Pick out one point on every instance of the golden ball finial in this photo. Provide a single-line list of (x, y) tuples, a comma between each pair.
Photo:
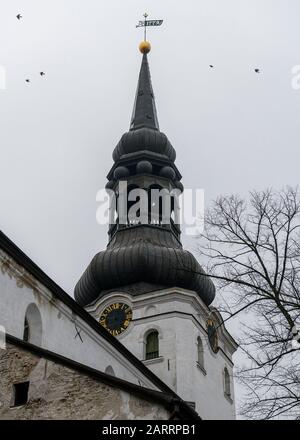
[(145, 47)]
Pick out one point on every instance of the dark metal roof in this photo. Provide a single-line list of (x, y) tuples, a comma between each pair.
[(144, 134), (144, 139), (144, 110), (143, 254)]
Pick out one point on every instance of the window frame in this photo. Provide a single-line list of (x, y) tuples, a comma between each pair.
[(154, 354)]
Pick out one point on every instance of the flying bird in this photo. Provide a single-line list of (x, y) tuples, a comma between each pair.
[(19, 16), (42, 73), (27, 80), (211, 66), (256, 70)]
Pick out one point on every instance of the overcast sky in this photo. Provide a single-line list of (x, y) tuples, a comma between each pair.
[(233, 130)]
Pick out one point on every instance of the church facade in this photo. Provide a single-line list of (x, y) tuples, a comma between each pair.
[(141, 331)]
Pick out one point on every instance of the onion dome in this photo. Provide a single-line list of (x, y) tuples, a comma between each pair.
[(144, 139), (139, 255)]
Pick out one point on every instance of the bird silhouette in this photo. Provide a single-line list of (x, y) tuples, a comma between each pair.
[(256, 70), (27, 80), (211, 66), (42, 73), (19, 16)]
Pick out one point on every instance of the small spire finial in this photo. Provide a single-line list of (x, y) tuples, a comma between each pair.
[(145, 46)]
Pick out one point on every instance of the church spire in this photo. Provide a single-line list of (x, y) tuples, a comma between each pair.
[(144, 252), (144, 110)]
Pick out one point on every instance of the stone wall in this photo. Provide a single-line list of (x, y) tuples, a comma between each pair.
[(59, 392)]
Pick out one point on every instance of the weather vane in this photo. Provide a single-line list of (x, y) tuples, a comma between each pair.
[(145, 23)]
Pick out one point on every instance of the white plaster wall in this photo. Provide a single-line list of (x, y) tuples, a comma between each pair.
[(58, 327), (206, 390), (180, 316)]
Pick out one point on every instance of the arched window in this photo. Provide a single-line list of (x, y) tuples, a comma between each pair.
[(227, 387), (200, 352), (152, 345), (133, 200), (109, 370), (32, 331), (159, 204)]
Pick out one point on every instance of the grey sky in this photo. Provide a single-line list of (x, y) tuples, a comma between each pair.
[(233, 130)]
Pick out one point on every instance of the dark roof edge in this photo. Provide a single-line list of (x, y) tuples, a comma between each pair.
[(169, 401), (21, 258)]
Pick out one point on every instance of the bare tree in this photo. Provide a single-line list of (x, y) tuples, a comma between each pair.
[(253, 251)]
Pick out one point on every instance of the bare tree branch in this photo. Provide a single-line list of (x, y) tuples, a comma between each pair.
[(253, 253)]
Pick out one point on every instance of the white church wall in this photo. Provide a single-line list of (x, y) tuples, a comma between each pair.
[(180, 316), (18, 289), (206, 389)]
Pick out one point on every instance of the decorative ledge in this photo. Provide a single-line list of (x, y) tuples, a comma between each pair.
[(153, 361), (201, 368)]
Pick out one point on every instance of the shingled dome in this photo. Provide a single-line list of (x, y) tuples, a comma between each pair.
[(143, 254), (144, 139)]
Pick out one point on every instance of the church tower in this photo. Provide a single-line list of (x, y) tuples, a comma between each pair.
[(145, 288)]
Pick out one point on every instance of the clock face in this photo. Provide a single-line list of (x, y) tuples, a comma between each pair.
[(212, 335), (116, 318)]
